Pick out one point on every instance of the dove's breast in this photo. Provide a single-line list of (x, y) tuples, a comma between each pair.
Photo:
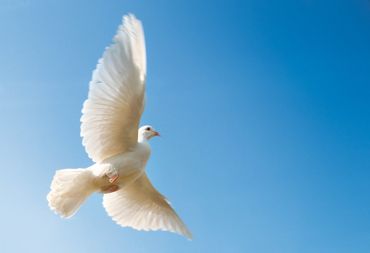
[(135, 159), (129, 165)]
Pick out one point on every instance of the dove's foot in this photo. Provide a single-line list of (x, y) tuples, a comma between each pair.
[(112, 175), (113, 179)]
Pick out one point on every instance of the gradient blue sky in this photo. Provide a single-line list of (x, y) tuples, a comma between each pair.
[(263, 107)]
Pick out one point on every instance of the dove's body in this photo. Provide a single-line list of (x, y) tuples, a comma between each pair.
[(109, 129), (129, 166)]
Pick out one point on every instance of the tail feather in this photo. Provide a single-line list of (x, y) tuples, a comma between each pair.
[(69, 189)]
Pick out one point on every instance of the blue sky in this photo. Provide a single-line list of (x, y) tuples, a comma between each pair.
[(263, 107)]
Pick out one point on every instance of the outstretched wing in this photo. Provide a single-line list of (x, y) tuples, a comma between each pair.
[(140, 206), (111, 114)]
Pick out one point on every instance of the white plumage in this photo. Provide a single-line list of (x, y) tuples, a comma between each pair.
[(112, 112), (109, 128)]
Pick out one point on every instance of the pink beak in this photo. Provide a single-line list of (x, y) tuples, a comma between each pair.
[(155, 133)]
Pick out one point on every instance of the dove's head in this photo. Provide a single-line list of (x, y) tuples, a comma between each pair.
[(147, 132)]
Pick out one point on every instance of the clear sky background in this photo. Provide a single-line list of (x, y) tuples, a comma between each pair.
[(263, 107)]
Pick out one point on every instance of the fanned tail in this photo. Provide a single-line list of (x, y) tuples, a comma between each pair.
[(69, 189)]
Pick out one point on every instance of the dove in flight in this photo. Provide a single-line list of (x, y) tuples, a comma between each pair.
[(118, 147)]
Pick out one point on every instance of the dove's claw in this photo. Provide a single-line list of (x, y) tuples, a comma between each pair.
[(113, 179), (112, 174)]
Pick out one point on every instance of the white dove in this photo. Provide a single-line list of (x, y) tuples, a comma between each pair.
[(109, 128)]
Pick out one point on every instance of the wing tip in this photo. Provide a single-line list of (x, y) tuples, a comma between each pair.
[(129, 17), (187, 234), (183, 231)]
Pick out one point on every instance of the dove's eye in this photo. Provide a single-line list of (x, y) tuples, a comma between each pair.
[(147, 129)]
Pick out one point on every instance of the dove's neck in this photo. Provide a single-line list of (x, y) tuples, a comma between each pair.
[(142, 139), (143, 145)]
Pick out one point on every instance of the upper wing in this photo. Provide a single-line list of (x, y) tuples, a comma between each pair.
[(111, 114), (140, 206)]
